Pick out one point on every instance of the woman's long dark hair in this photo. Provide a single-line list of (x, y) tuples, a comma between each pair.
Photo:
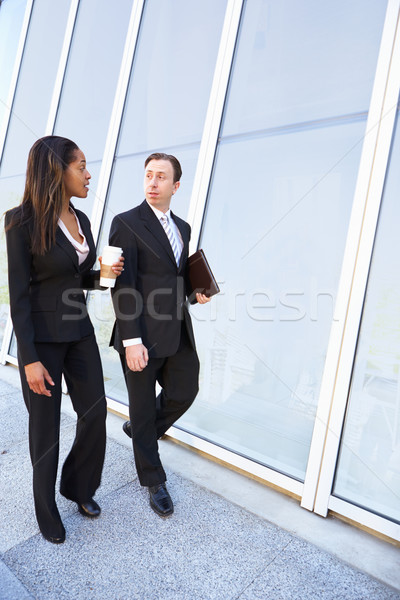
[(44, 193)]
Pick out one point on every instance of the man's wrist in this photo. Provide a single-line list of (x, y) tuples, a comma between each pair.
[(132, 342)]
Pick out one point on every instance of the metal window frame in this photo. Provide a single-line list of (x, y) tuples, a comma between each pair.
[(353, 282), (365, 518), (15, 75), (62, 65), (3, 136), (212, 124), (242, 463), (116, 116)]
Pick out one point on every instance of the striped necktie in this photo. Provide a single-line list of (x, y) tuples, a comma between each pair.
[(176, 244)]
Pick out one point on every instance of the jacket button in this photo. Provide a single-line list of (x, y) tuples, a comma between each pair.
[(76, 275)]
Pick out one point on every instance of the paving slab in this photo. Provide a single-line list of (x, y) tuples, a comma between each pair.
[(11, 588), (208, 549), (303, 572), (16, 499), (13, 415)]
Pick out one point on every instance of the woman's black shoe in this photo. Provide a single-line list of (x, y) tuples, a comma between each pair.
[(55, 539)]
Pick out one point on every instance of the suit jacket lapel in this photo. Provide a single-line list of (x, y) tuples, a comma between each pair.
[(156, 229), (65, 244), (89, 260)]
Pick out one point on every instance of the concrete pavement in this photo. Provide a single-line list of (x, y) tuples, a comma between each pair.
[(229, 538)]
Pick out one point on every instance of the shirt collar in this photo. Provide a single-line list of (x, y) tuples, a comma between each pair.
[(159, 213)]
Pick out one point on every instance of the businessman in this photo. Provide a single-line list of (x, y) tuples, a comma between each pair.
[(153, 331)]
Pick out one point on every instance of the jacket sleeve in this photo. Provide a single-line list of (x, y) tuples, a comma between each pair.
[(19, 273), (91, 280), (127, 301)]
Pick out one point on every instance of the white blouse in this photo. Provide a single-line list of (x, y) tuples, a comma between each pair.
[(82, 250)]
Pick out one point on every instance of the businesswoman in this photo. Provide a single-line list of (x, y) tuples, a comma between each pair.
[(50, 256)]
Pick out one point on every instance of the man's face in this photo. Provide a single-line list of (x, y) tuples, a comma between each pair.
[(159, 184)]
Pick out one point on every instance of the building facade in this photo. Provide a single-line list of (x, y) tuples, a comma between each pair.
[(284, 117)]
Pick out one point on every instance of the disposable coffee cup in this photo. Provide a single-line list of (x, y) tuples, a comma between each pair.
[(110, 256)]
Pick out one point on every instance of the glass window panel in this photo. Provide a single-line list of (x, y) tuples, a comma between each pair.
[(276, 224), (262, 345), (368, 471), (11, 18), (35, 84), (92, 74), (165, 110), (13, 346), (172, 74), (302, 61)]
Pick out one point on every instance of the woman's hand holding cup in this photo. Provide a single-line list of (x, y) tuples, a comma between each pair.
[(112, 265)]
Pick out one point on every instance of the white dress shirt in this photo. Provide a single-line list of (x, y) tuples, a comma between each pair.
[(82, 249)]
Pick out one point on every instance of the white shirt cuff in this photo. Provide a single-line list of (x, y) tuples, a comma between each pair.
[(132, 342)]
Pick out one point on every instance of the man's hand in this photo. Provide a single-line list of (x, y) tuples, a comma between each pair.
[(137, 357), (36, 375), (202, 298)]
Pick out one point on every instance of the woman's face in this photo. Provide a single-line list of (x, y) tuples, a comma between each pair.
[(76, 177)]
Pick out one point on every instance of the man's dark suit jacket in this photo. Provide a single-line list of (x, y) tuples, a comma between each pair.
[(149, 296), (47, 301)]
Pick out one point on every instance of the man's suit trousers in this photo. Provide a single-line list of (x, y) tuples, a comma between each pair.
[(152, 416)]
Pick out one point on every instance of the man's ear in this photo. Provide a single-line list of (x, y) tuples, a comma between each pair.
[(176, 186)]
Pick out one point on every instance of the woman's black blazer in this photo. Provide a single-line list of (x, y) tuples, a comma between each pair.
[(47, 301)]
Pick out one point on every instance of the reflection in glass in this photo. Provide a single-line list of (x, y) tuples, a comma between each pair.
[(276, 223), (35, 83), (368, 472), (11, 17), (92, 73)]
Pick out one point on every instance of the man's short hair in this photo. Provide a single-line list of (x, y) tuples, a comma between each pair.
[(172, 159)]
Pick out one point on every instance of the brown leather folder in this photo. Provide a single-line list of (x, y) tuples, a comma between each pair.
[(200, 277)]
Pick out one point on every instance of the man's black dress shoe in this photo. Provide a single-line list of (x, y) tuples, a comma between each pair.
[(160, 500), (127, 428), (89, 509)]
